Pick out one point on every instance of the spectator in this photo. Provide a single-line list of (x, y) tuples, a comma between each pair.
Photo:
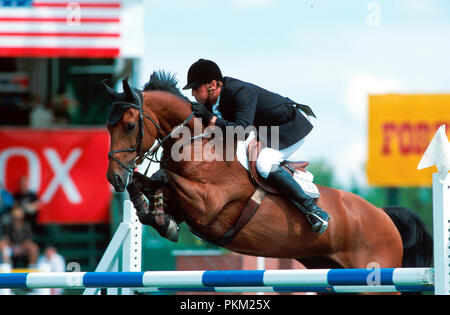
[(6, 203), (52, 261), (6, 200), (18, 237), (40, 116), (63, 106), (5, 251), (28, 200)]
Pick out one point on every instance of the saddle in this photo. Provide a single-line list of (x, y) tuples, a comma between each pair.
[(253, 150)]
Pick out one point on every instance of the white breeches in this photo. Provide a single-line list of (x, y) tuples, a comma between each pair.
[(269, 157)]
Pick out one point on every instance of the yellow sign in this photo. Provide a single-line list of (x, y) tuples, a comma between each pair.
[(400, 129)]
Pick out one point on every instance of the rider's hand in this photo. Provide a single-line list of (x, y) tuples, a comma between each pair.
[(202, 112)]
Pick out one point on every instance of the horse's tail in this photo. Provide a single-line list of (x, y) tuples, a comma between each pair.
[(417, 241)]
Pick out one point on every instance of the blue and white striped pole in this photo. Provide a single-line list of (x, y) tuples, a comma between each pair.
[(326, 280)]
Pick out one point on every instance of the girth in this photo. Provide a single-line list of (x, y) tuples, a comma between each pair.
[(244, 217)]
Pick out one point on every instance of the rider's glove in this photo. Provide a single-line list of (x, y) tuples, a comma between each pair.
[(202, 112)]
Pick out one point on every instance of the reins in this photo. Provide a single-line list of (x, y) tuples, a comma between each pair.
[(151, 154)]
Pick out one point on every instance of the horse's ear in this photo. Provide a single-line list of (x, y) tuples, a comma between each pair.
[(126, 88), (110, 91)]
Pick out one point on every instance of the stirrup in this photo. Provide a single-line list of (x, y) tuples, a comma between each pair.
[(324, 223)]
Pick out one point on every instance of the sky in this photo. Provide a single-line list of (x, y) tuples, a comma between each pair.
[(328, 54)]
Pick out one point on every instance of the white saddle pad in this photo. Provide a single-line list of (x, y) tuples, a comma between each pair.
[(305, 180)]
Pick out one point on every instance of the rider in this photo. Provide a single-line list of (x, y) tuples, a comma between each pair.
[(225, 101)]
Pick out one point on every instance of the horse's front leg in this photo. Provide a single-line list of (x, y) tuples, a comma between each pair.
[(149, 185), (150, 209)]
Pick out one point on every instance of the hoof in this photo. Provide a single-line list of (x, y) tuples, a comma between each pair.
[(172, 231), (169, 229)]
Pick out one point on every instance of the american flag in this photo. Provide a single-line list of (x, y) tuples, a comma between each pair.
[(62, 28)]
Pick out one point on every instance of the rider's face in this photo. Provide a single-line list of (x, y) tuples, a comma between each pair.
[(200, 93)]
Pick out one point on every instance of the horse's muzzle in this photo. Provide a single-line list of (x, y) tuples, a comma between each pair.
[(119, 181)]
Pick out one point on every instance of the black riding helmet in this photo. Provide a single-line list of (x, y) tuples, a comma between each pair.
[(201, 72)]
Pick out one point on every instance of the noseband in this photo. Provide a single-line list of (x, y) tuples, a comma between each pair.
[(150, 155)]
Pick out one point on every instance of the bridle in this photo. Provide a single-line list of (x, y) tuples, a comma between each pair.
[(151, 154)]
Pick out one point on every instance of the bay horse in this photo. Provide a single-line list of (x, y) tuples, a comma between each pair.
[(209, 195)]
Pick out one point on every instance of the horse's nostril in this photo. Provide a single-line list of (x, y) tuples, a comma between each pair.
[(119, 182)]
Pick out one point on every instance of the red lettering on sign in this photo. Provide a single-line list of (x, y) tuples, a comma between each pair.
[(388, 134), (405, 138), (408, 138), (423, 133)]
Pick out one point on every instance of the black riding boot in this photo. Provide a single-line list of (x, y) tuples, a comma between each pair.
[(288, 187)]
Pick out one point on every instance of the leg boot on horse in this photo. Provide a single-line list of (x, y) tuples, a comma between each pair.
[(288, 187), (164, 224)]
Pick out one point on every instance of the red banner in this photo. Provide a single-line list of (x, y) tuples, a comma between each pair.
[(66, 167)]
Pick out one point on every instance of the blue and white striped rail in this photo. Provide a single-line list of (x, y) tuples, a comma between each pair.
[(318, 289), (320, 280)]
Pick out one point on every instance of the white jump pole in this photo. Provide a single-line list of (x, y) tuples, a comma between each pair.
[(441, 227), (438, 153), (124, 252)]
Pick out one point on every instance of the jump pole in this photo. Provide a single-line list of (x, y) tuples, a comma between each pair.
[(303, 280), (438, 153), (124, 252), (441, 227)]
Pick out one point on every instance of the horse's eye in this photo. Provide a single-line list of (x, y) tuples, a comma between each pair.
[(131, 126)]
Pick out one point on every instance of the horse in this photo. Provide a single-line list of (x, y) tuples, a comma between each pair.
[(209, 194)]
